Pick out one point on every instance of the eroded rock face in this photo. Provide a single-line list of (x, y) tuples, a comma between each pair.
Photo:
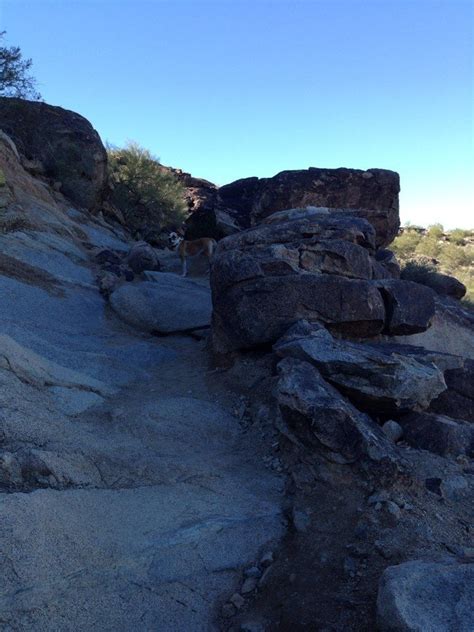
[(377, 378), (318, 267), (371, 194), (59, 143), (431, 596), (324, 420)]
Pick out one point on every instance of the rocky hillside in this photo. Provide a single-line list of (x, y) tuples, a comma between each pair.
[(284, 443)]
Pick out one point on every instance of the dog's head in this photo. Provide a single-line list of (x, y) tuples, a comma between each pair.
[(174, 240)]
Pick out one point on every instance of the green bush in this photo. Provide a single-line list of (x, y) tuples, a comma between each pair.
[(436, 231), (458, 236), (453, 257), (428, 247), (405, 244), (149, 196)]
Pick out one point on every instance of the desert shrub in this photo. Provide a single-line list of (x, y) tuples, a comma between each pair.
[(428, 247), (149, 196), (436, 231), (417, 271), (453, 257), (405, 244), (458, 236)]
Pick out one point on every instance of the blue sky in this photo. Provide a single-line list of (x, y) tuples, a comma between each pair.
[(232, 88)]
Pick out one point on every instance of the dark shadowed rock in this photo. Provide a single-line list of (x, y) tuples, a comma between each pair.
[(458, 400), (410, 307), (442, 284), (141, 257), (238, 198), (64, 143), (386, 265), (260, 310), (376, 378), (304, 230), (423, 596), (439, 434), (322, 419), (372, 195)]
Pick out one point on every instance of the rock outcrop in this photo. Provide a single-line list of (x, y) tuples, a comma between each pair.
[(323, 420), (378, 378), (371, 195), (60, 145), (319, 267)]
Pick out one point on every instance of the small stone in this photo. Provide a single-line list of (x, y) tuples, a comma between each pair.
[(393, 430), (378, 497), (301, 521), (266, 559), (249, 585), (454, 487), (228, 610), (237, 600), (253, 571), (393, 509)]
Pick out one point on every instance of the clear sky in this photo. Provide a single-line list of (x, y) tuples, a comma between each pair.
[(232, 88)]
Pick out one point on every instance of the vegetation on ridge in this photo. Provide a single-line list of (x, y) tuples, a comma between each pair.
[(149, 196), (433, 249)]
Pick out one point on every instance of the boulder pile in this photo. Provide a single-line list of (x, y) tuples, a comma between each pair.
[(312, 287)]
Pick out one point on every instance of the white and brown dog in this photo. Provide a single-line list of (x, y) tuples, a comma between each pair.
[(187, 248)]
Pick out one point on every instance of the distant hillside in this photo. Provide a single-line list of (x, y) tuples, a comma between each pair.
[(423, 250)]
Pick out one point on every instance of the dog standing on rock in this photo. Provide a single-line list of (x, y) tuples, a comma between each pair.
[(186, 248)]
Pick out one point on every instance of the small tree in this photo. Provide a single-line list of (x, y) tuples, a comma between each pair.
[(149, 195), (15, 80)]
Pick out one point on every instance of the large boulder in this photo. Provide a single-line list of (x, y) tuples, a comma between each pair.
[(59, 144), (418, 596), (438, 433), (312, 265), (451, 329), (141, 257), (377, 378), (322, 419), (171, 304), (258, 311), (371, 194), (410, 307), (374, 193)]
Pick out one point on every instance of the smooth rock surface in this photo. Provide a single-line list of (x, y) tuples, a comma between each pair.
[(419, 596), (172, 304)]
